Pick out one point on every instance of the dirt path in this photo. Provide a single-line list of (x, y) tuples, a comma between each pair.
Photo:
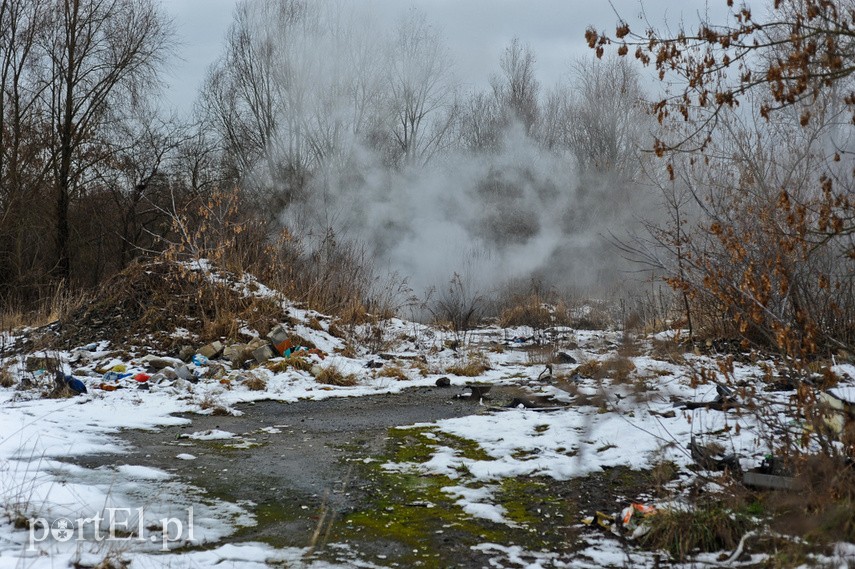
[(311, 472), (294, 473)]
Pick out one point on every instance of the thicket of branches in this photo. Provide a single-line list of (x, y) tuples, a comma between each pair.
[(756, 134), (305, 98), (753, 134)]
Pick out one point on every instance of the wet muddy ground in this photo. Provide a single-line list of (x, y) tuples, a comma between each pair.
[(312, 474)]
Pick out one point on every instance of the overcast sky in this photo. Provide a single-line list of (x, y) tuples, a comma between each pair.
[(476, 32)]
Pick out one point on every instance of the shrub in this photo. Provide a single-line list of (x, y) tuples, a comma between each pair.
[(706, 527)]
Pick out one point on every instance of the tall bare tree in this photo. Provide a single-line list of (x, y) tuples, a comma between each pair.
[(98, 54), (421, 89), (517, 88), (23, 164)]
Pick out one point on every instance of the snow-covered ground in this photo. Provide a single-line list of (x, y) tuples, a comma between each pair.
[(638, 421)]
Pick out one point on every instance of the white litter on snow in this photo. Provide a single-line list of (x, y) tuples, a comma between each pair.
[(211, 435)]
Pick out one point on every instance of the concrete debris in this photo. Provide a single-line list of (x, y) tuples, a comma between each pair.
[(279, 337), (237, 354), (158, 363), (263, 353), (769, 481), (186, 353), (211, 350)]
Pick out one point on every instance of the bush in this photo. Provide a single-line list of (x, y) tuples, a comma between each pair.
[(706, 527)]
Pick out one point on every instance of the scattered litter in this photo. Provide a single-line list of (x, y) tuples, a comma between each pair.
[(633, 516), (711, 457), (837, 410), (564, 358), (724, 400), (280, 340), (605, 521), (769, 481), (74, 384), (114, 376)]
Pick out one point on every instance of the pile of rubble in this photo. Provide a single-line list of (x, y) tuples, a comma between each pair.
[(212, 361)]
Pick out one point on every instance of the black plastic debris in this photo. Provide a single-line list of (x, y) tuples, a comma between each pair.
[(711, 457)]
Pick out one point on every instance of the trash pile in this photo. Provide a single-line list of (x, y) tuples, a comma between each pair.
[(630, 523), (94, 366)]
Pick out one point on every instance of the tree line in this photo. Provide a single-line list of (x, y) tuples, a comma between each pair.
[(749, 150)]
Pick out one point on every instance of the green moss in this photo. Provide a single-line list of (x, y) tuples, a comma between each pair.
[(412, 510), (419, 444), (548, 518)]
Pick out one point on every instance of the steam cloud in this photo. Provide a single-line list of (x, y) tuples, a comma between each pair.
[(516, 212)]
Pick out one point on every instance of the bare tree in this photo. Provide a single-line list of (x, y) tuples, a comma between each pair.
[(143, 147), (421, 91), (607, 119), (517, 88), (555, 120), (23, 166), (98, 54)]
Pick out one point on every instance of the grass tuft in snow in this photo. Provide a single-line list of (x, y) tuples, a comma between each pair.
[(707, 527), (473, 365), (332, 375)]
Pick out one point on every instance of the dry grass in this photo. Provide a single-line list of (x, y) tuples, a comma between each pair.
[(823, 510), (670, 350), (473, 365), (617, 368), (707, 527), (158, 297), (56, 306), (421, 367), (60, 392), (212, 403), (297, 361), (529, 311), (6, 378), (332, 375), (255, 382), (393, 371)]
